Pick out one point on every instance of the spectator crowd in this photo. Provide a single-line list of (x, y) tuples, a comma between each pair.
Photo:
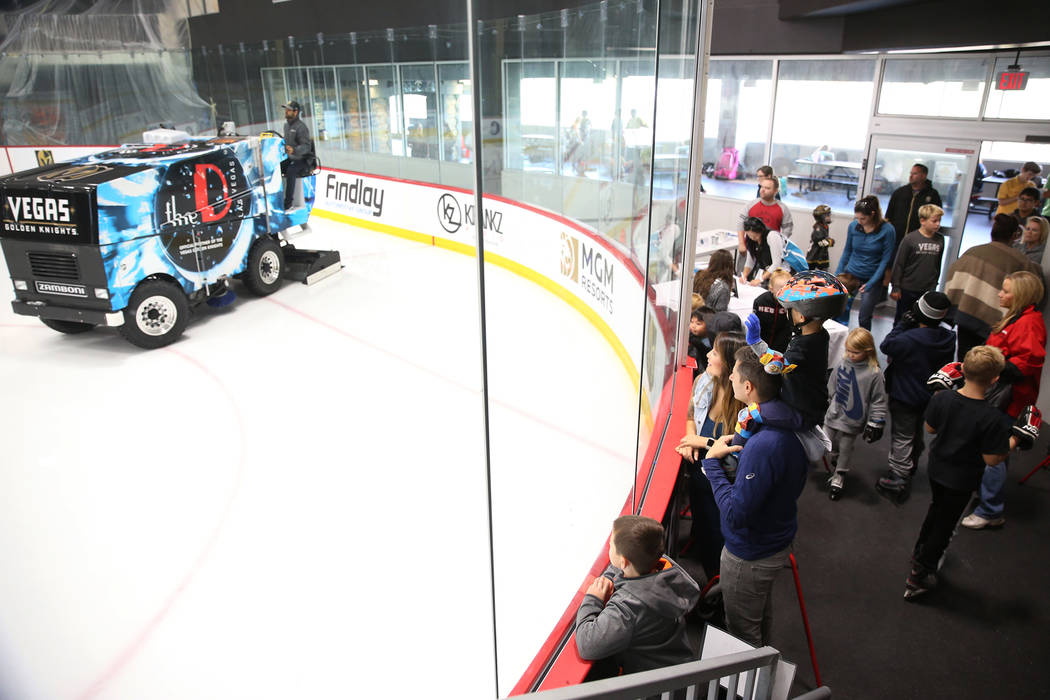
[(961, 381)]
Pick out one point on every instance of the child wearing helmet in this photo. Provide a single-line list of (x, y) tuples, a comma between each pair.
[(810, 297), (818, 257)]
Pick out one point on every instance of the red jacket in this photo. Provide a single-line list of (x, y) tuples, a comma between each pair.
[(1023, 342)]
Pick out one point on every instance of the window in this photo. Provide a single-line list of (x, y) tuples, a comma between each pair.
[(531, 116), (739, 94), (457, 112), (384, 111), (421, 121), (821, 115), (1031, 103), (588, 110), (943, 87)]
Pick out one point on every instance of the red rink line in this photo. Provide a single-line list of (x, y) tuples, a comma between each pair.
[(140, 640), (600, 447)]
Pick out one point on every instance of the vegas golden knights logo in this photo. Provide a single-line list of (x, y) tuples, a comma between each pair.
[(45, 158), (73, 172), (570, 257)]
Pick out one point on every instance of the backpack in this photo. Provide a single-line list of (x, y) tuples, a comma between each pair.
[(794, 257), (728, 163)]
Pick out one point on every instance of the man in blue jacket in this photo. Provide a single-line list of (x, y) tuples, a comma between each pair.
[(916, 348), (758, 510)]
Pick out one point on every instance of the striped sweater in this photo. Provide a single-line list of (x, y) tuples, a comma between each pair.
[(975, 278)]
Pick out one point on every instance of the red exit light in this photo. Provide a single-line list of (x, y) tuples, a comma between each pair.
[(1012, 80)]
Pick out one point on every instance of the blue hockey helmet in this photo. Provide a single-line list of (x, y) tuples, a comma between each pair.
[(814, 294)]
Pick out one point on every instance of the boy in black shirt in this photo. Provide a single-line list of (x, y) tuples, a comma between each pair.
[(969, 434), (774, 318), (810, 297)]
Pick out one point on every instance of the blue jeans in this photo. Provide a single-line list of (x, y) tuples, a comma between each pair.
[(992, 486), (871, 297)]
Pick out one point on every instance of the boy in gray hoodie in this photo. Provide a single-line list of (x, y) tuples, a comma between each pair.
[(634, 613)]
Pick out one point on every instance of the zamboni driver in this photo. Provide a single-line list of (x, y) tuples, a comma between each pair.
[(298, 145)]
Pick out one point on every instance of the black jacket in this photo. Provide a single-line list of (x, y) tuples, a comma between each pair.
[(774, 321), (903, 209)]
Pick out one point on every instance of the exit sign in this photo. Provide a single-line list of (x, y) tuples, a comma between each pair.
[(1012, 80)]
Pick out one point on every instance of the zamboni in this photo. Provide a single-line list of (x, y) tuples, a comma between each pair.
[(137, 236)]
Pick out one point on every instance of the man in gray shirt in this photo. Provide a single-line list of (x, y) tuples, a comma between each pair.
[(298, 146)]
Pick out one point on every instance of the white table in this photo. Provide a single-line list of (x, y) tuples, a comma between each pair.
[(708, 242), (745, 303)]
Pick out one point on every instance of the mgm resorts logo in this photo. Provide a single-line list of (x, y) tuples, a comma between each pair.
[(589, 267)]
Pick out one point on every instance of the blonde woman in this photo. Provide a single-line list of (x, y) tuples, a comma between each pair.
[(1021, 336), (1033, 238)]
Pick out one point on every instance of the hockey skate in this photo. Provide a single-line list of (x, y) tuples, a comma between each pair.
[(895, 488), (835, 486)]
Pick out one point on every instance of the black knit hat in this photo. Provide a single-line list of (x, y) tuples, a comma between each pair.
[(722, 322), (931, 308)]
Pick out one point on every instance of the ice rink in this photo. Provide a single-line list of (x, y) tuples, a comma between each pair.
[(291, 500)]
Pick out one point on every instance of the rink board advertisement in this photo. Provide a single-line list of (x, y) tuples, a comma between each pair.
[(549, 249), (189, 211)]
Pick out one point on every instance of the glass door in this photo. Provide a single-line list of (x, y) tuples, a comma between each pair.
[(950, 164)]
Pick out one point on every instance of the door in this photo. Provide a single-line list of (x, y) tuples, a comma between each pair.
[(952, 164)]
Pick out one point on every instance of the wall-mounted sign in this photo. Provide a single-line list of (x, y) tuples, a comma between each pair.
[(1012, 80)]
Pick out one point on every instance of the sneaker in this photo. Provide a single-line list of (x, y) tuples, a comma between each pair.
[(835, 485), (916, 584), (893, 487), (976, 522)]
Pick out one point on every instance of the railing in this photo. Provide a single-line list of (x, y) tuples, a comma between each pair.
[(688, 680)]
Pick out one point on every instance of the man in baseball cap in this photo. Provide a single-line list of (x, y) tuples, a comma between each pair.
[(298, 145)]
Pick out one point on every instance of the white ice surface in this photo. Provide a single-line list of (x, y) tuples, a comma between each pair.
[(291, 500)]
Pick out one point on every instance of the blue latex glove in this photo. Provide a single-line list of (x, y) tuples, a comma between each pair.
[(754, 329)]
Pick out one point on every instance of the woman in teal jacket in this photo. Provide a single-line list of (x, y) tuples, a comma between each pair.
[(868, 254)]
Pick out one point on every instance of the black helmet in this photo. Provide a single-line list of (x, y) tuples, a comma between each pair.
[(814, 294)]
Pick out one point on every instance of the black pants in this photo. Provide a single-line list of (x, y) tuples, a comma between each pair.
[(905, 303), (292, 170), (707, 522), (946, 508), (969, 338)]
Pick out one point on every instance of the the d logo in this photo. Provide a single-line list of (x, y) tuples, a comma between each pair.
[(200, 192)]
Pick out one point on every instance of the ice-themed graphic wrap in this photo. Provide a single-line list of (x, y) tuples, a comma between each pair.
[(192, 213)]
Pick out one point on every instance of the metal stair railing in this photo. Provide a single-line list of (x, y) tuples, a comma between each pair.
[(693, 680)]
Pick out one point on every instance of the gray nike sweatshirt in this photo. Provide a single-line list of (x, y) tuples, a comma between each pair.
[(858, 395)]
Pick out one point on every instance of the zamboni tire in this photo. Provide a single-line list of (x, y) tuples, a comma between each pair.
[(265, 269), (156, 315), (69, 327)]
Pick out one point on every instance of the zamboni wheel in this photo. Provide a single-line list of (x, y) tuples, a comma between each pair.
[(70, 327), (265, 267), (156, 315)]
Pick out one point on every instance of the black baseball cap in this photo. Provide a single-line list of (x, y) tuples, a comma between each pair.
[(292, 104)]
